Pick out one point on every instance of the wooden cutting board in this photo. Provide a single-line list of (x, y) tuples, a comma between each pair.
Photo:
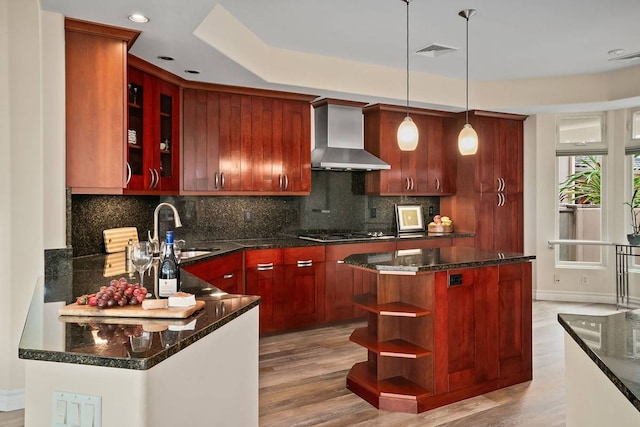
[(131, 311), (116, 239)]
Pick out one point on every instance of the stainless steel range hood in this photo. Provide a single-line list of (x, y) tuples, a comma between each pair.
[(339, 140)]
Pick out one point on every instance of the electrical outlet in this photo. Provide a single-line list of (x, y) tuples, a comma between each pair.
[(585, 280), (248, 216), (430, 210), (373, 212), (556, 278)]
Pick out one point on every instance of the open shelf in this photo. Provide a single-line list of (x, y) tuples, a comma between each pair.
[(392, 348), (369, 303)]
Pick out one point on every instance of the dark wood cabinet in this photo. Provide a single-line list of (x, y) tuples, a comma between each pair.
[(225, 273), (153, 137), (305, 283), (429, 170), (95, 67), (489, 200), (435, 338), (245, 143), (264, 276), (466, 328), (514, 323), (343, 282)]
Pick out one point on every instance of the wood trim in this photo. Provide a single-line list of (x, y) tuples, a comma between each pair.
[(496, 115), (412, 110), (86, 27), (332, 101), (248, 91), (154, 70)]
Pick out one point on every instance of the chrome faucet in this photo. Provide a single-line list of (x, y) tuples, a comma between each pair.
[(176, 218)]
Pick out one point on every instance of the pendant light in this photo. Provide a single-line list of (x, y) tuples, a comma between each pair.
[(407, 131), (468, 138)]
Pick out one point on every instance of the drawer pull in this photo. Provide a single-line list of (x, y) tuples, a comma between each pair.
[(228, 276), (306, 263), (265, 267), (340, 261)]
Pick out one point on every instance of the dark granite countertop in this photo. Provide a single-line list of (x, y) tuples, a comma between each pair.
[(106, 341), (613, 343), (414, 260)]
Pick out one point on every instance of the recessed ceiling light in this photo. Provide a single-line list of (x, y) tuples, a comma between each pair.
[(616, 52), (192, 71), (165, 58), (139, 18)]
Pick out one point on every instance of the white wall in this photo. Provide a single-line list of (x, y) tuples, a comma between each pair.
[(23, 173)]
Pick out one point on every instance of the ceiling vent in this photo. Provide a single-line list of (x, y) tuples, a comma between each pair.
[(435, 49), (629, 57)]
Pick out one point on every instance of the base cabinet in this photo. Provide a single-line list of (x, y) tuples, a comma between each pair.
[(342, 282), (437, 338), (224, 273)]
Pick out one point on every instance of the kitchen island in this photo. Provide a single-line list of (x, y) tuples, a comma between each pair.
[(138, 371), (602, 364), (444, 324)]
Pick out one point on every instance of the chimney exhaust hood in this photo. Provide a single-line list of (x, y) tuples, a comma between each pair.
[(339, 140)]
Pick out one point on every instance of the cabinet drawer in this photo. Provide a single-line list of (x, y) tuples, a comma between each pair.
[(340, 252), (305, 253), (219, 267), (263, 256)]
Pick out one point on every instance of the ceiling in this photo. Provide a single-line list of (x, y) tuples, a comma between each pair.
[(509, 39)]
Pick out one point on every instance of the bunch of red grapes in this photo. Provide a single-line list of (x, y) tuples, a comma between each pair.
[(118, 294)]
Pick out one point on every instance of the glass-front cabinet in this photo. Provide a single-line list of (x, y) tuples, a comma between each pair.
[(152, 133)]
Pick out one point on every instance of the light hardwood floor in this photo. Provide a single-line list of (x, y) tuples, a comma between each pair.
[(302, 382)]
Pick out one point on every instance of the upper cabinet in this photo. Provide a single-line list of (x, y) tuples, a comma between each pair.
[(429, 170), (153, 133), (96, 80), (246, 142)]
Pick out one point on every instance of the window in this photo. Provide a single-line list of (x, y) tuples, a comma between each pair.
[(581, 154)]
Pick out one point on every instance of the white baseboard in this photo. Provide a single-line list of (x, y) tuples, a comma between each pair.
[(10, 400), (572, 296)]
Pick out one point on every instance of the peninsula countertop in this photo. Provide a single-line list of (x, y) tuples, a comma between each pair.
[(105, 341), (434, 259), (612, 342)]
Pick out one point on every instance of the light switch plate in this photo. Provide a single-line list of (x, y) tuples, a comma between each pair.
[(78, 407)]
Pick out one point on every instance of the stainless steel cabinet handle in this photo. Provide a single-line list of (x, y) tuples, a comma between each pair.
[(286, 181), (306, 263), (222, 180), (264, 267), (408, 184), (280, 181), (216, 181), (437, 184), (412, 183), (340, 261), (129, 173), (504, 184), (157, 177), (228, 276)]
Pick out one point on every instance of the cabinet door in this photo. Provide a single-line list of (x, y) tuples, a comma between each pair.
[(487, 167), (508, 227), (166, 145), (201, 132), (466, 328), (95, 67), (234, 141), (153, 139), (267, 149), (296, 147), (304, 280), (264, 276), (514, 292), (509, 155)]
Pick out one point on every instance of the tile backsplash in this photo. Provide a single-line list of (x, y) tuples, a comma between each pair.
[(337, 202)]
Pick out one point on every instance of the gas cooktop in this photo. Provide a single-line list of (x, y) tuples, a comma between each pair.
[(342, 236)]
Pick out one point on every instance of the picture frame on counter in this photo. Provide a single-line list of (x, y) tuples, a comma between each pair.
[(409, 218)]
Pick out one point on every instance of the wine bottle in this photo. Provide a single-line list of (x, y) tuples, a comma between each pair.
[(169, 277)]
